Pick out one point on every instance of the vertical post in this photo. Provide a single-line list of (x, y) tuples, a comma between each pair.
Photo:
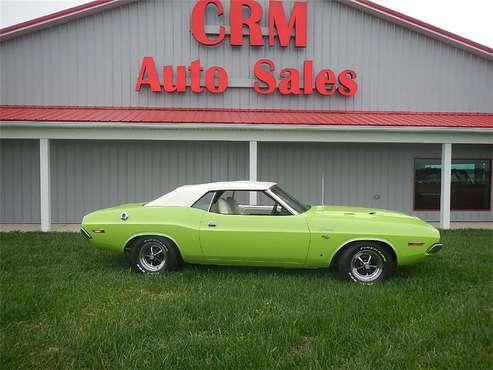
[(253, 169), (45, 189), (323, 189), (446, 186)]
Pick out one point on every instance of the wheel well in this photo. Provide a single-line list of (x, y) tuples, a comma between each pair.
[(341, 250), (133, 240)]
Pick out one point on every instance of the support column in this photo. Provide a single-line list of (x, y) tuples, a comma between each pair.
[(45, 188), (445, 186), (253, 169)]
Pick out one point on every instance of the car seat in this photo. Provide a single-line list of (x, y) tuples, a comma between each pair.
[(234, 206), (224, 207)]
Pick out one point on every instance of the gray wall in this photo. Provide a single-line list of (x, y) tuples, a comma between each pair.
[(88, 175), (19, 181), (354, 173), (95, 61)]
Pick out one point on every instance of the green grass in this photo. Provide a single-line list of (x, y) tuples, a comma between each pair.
[(65, 304)]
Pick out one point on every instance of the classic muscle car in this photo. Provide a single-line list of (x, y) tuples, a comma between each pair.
[(259, 224)]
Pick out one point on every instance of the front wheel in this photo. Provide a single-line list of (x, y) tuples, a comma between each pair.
[(366, 263), (154, 255)]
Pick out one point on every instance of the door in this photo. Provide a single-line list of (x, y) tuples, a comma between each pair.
[(245, 227)]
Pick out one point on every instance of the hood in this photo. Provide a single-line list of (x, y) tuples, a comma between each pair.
[(368, 214)]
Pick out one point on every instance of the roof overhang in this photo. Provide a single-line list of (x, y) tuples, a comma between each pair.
[(243, 132), (223, 116)]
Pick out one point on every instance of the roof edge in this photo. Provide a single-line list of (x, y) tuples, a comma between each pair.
[(421, 27), (60, 17), (235, 116), (367, 6), (260, 110)]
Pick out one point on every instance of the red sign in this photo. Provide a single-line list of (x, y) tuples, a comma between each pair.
[(288, 81), (278, 23)]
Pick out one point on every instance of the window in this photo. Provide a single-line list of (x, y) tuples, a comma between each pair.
[(204, 202), (470, 190), (289, 200), (250, 203)]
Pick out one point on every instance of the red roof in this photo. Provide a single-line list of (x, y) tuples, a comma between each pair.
[(243, 116), (391, 15)]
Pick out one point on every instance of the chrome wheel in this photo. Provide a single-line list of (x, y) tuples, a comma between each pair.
[(152, 256), (367, 265)]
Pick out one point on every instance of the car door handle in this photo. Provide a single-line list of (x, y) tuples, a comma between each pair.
[(211, 224)]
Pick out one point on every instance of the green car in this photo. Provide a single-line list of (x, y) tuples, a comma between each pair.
[(259, 224)]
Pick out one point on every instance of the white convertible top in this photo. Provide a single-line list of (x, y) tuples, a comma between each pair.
[(187, 195)]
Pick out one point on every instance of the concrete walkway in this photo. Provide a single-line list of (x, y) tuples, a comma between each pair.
[(467, 225), (37, 227), (76, 227)]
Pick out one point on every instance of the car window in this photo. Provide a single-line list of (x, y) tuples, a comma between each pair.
[(289, 199), (204, 202), (248, 203)]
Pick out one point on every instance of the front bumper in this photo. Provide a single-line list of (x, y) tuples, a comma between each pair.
[(435, 248), (85, 234)]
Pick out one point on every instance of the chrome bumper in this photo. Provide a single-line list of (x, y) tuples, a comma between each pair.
[(85, 234), (435, 248)]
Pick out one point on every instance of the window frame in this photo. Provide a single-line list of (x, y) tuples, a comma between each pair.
[(490, 206), (203, 195), (265, 191)]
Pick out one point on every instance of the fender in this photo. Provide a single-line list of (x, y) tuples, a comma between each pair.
[(359, 240), (151, 234)]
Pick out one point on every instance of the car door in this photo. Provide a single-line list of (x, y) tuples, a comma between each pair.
[(243, 237)]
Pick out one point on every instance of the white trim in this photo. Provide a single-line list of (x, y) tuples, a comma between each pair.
[(44, 182), (248, 132), (253, 126), (252, 162), (446, 179)]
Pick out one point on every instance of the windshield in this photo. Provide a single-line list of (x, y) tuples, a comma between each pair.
[(289, 199)]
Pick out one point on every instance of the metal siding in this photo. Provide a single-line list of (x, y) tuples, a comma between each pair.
[(355, 173), (19, 181), (88, 175), (95, 61)]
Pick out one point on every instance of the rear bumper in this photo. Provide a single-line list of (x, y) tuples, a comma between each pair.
[(435, 248)]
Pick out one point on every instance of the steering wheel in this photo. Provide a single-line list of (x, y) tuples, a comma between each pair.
[(274, 210)]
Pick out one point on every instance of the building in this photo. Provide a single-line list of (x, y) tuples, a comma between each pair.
[(340, 101)]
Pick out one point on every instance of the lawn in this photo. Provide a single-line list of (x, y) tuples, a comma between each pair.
[(65, 304)]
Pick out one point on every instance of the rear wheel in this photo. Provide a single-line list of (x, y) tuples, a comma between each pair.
[(154, 255), (366, 262)]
